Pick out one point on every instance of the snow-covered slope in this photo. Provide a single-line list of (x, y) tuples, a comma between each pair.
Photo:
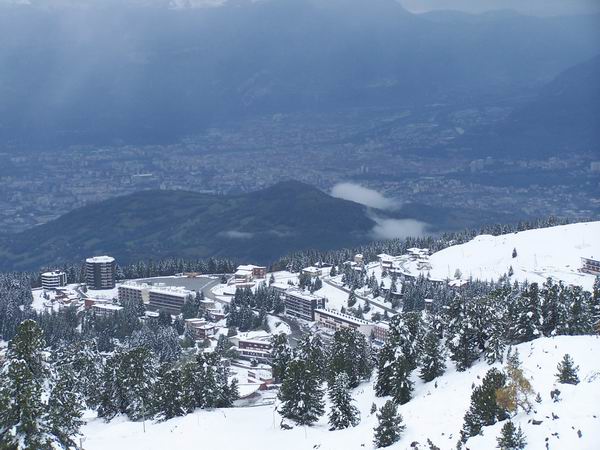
[(435, 413), (541, 253)]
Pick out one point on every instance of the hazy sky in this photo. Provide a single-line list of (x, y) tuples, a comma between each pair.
[(533, 7)]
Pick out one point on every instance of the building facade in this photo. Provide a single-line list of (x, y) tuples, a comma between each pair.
[(302, 305), (105, 309), (336, 321), (248, 273), (255, 349), (169, 299), (590, 265), (100, 272), (134, 293), (54, 279), (200, 328)]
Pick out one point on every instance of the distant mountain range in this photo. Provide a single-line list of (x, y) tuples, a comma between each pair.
[(564, 116), (258, 226), (111, 74)]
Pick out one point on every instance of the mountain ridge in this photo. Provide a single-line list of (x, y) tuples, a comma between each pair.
[(261, 225)]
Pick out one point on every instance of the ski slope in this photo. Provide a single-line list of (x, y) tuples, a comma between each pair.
[(541, 253), (434, 412)]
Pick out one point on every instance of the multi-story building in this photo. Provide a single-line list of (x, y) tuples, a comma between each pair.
[(312, 271), (336, 321), (200, 328), (380, 332), (105, 309), (54, 279), (100, 272), (168, 298), (134, 293), (386, 260), (254, 349), (590, 265), (302, 305), (248, 273)]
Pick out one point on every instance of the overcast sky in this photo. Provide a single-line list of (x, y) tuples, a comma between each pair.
[(533, 7)]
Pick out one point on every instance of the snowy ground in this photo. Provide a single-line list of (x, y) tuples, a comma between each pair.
[(548, 252), (434, 412), (45, 300), (277, 326)]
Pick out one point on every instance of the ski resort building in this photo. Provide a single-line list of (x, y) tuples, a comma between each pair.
[(105, 309), (386, 260), (590, 265), (54, 279), (312, 271), (134, 293), (200, 328), (335, 321), (302, 305), (248, 273), (100, 272), (168, 298), (253, 346)]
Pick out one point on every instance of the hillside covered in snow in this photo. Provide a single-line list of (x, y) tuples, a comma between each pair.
[(436, 412), (540, 253)]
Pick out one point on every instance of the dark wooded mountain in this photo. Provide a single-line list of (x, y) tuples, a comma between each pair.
[(563, 117), (105, 74), (154, 224), (258, 226)]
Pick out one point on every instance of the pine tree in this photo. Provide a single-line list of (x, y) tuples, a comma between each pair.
[(595, 304), (22, 409), (463, 345), (281, 355), (484, 409), (383, 384), (528, 323), (28, 415), (136, 375), (432, 363), (580, 314), (310, 348), (301, 395), (390, 427), (350, 353), (511, 438), (402, 386), (567, 371), (343, 413), (351, 299), (109, 401), (65, 409), (169, 398), (23, 423)]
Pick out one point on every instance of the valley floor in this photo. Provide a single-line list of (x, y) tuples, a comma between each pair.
[(435, 412)]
